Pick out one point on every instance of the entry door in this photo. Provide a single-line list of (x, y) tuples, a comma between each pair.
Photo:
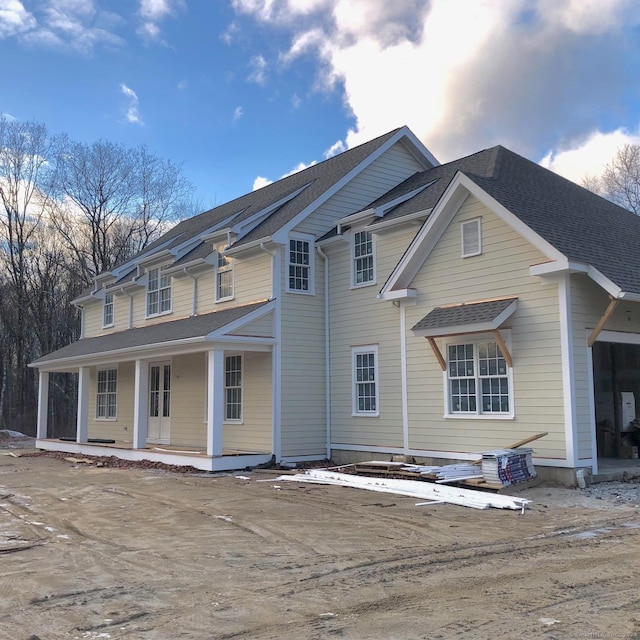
[(159, 427)]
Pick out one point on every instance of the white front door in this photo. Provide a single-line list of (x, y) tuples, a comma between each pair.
[(159, 427)]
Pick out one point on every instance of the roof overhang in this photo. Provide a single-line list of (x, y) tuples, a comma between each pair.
[(466, 317)]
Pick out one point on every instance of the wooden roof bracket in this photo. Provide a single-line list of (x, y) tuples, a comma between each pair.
[(503, 347), (608, 312), (437, 353)]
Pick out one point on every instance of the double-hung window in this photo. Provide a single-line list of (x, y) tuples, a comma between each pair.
[(478, 379), (233, 388), (365, 380), (107, 310), (300, 264), (363, 259), (224, 276), (107, 394), (158, 293)]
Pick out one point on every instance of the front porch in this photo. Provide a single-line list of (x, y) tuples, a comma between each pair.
[(179, 456)]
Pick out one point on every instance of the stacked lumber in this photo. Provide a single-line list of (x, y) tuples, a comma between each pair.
[(508, 466)]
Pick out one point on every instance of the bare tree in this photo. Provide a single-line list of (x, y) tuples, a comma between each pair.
[(112, 201), (620, 180)]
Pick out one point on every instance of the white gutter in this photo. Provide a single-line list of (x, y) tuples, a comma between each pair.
[(327, 344)]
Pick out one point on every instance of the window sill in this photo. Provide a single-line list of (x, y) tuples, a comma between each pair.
[(300, 292), (157, 315), (224, 299), (479, 416), (373, 414), (108, 326), (233, 422), (107, 419), (363, 285)]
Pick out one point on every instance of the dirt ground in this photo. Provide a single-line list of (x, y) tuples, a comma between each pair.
[(89, 552)]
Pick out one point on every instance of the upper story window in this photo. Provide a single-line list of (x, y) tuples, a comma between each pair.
[(471, 238), (479, 380), (158, 293), (107, 310), (300, 264), (363, 259), (224, 276)]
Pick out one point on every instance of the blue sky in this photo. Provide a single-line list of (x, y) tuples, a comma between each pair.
[(240, 92)]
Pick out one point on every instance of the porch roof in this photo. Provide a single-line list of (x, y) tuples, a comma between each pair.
[(465, 317), (164, 332)]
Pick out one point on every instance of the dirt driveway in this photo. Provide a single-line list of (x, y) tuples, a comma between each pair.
[(91, 552)]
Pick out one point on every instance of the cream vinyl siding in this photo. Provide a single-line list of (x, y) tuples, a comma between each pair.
[(394, 166), (188, 393), (261, 328), (359, 318), (121, 312), (255, 431), (303, 404), (122, 427), (589, 302), (93, 320), (252, 282), (501, 270)]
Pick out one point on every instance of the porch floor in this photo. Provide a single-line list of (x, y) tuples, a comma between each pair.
[(197, 457), (614, 469)]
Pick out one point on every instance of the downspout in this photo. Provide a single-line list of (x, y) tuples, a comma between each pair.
[(276, 367), (327, 344), (194, 304)]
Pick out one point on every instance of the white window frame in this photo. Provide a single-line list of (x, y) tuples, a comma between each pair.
[(108, 310), (371, 349), (237, 387), (224, 264), (162, 285), (301, 237), (107, 394), (468, 224), (354, 260), (478, 414)]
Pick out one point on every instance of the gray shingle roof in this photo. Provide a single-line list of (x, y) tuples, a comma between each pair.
[(319, 178), (581, 225), (462, 315), (195, 327)]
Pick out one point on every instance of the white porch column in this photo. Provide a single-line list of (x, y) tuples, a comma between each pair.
[(215, 402), (43, 404), (82, 426), (140, 412)]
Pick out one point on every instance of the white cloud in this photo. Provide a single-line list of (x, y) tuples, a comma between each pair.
[(335, 149), (152, 13), (229, 34), (182, 85), (296, 100), (533, 75), (15, 19), (238, 112), (132, 115), (76, 25), (258, 66), (590, 156), (260, 182)]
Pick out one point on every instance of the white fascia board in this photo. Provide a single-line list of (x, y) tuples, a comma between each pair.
[(402, 134), (240, 322), (631, 297), (428, 236), (116, 355), (398, 294), (157, 256), (418, 149), (456, 192), (610, 287), (245, 226), (82, 300), (254, 244), (328, 242), (215, 235), (358, 216), (184, 268), (418, 216)]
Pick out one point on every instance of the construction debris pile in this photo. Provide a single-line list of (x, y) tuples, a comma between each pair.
[(428, 493)]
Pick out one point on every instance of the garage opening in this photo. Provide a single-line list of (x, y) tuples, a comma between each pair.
[(616, 377)]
